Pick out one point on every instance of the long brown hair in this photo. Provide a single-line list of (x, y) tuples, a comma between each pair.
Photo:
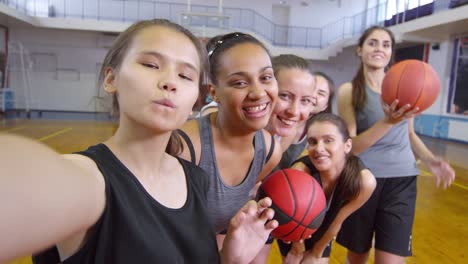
[(359, 81), (349, 182), (119, 49)]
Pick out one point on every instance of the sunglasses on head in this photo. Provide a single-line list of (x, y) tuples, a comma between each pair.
[(224, 39)]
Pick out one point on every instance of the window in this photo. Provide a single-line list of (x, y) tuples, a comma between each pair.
[(458, 96), (399, 6)]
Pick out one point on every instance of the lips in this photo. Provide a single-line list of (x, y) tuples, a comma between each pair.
[(165, 102), (256, 111), (287, 122), (320, 158)]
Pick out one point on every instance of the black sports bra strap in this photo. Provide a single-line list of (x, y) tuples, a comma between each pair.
[(272, 147), (189, 144)]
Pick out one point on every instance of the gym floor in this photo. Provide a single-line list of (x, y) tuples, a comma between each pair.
[(440, 231)]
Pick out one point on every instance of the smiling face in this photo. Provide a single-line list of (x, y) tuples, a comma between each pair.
[(246, 89), (157, 81), (322, 94), (376, 50), (295, 101), (326, 146)]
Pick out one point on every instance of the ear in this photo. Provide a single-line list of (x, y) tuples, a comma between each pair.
[(359, 51), (212, 92), (348, 146), (109, 81)]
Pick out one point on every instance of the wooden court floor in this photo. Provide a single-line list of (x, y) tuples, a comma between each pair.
[(441, 224)]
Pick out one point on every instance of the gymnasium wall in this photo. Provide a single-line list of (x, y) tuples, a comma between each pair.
[(63, 69), (317, 14), (435, 122)]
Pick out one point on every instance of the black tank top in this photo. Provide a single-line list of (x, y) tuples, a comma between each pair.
[(135, 228), (333, 205)]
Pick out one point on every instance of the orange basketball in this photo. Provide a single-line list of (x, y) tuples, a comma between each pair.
[(412, 82)]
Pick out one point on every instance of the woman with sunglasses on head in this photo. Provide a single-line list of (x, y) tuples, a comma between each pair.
[(129, 199), (231, 144), (385, 139)]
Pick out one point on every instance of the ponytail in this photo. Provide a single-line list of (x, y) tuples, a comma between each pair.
[(349, 183), (359, 89), (174, 146)]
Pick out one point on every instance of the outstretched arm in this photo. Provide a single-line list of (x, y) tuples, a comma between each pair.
[(248, 231), (443, 172), (368, 184), (44, 198)]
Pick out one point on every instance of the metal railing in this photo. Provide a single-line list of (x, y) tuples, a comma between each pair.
[(238, 18)]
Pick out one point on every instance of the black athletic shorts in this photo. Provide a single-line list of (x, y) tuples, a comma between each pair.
[(308, 244), (389, 213)]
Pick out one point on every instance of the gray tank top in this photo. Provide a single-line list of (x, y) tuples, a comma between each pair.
[(223, 200), (390, 156)]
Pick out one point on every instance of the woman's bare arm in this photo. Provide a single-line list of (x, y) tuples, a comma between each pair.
[(44, 197)]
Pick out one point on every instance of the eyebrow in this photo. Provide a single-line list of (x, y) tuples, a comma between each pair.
[(244, 73), (162, 56), (385, 41)]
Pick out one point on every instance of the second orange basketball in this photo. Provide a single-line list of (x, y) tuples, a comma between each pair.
[(412, 82)]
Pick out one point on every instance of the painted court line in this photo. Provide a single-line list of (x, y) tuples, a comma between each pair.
[(426, 173), (65, 130), (11, 129)]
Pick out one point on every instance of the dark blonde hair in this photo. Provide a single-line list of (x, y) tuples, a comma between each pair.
[(359, 81), (349, 182), (120, 47), (289, 61)]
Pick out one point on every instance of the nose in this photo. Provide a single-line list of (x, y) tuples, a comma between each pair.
[(379, 47), (319, 146), (167, 81), (256, 91), (293, 109)]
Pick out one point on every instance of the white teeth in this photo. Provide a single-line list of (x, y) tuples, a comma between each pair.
[(253, 109), (287, 121), (320, 157)]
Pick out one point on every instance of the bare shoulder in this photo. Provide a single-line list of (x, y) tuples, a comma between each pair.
[(271, 142), (268, 138), (345, 90), (86, 164), (368, 181)]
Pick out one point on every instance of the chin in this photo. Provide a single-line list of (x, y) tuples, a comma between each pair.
[(285, 132)]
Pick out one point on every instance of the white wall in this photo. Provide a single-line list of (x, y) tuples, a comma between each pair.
[(63, 68), (317, 14), (321, 13), (441, 60)]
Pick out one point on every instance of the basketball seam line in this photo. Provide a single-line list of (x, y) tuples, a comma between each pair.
[(424, 85), (305, 214), (292, 191), (398, 85)]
